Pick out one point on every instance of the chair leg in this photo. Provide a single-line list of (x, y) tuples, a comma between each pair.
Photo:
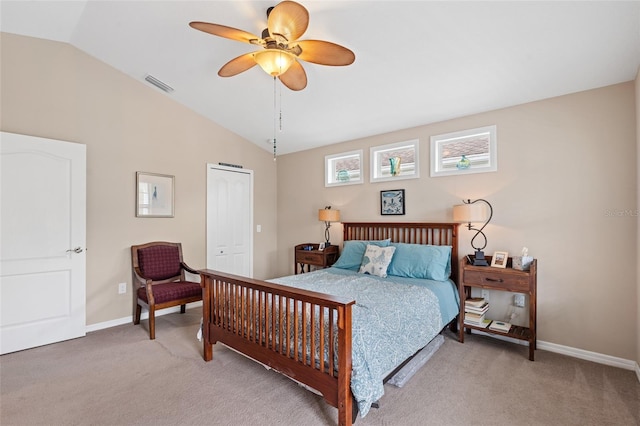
[(183, 309), (152, 322), (136, 317)]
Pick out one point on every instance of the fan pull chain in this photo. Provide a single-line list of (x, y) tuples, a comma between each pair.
[(274, 118), (280, 94)]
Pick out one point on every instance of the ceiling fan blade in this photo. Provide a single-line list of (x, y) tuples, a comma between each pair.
[(224, 31), (237, 65), (295, 78), (325, 53), (288, 19)]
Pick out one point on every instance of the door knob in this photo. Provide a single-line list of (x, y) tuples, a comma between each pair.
[(76, 250)]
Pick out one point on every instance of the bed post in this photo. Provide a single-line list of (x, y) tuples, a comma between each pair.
[(205, 282), (345, 400)]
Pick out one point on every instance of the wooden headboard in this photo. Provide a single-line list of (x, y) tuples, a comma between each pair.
[(437, 234)]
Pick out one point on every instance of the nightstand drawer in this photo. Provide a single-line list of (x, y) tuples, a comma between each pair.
[(314, 258), (498, 280)]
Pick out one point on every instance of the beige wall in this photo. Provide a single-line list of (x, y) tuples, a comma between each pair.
[(53, 90), (638, 219), (566, 168)]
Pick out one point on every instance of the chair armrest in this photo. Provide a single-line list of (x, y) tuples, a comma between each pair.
[(189, 269), (144, 283), (142, 280)]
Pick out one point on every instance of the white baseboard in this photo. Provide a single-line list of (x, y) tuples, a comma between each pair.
[(144, 316), (613, 361)]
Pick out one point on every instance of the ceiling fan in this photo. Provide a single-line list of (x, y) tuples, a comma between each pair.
[(282, 51)]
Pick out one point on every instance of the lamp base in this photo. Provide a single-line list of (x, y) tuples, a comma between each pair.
[(479, 260)]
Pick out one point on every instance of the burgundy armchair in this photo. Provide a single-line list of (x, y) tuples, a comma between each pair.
[(159, 280)]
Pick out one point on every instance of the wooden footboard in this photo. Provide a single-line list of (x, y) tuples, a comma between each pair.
[(302, 334)]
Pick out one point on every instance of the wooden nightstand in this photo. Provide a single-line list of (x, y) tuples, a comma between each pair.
[(507, 279), (318, 258)]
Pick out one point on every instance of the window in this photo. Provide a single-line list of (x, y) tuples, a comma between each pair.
[(343, 169), (464, 152), (395, 161)]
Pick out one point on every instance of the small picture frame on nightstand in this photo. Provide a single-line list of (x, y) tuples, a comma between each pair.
[(322, 246), (499, 259)]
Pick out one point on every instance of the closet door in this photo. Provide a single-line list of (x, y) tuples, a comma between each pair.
[(230, 220)]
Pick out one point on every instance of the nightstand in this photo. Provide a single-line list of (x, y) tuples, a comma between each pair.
[(314, 257), (507, 279)]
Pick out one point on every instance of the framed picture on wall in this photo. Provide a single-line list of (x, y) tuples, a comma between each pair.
[(392, 202), (154, 195)]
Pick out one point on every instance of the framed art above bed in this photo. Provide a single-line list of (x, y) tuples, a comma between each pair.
[(392, 202)]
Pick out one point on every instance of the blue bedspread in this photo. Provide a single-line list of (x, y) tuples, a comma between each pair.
[(391, 320)]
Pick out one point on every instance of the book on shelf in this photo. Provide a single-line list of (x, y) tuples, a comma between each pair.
[(483, 324), (473, 316), (479, 310), (473, 319), (500, 326), (475, 302)]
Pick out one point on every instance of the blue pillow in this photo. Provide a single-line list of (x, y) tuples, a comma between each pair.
[(421, 261), (352, 253)]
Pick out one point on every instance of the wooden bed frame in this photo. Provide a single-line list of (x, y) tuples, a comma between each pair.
[(243, 313)]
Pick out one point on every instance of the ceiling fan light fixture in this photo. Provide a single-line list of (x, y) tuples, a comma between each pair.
[(282, 52), (274, 62)]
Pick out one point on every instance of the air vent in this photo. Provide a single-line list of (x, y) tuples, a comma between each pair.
[(159, 84)]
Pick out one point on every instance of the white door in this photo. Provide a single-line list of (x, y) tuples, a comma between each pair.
[(230, 220), (42, 249)]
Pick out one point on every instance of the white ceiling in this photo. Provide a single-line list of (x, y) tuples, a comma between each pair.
[(417, 62)]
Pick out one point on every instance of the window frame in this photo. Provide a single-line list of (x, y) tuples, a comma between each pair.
[(329, 168), (377, 169), (439, 142)]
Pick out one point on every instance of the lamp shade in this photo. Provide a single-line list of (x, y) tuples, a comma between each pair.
[(274, 61), (328, 215), (469, 213)]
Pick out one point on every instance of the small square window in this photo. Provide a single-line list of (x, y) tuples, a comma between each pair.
[(464, 152), (343, 169), (395, 161)]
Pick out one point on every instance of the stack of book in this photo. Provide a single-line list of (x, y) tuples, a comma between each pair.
[(474, 310)]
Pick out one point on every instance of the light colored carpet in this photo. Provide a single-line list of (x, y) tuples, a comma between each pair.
[(120, 377)]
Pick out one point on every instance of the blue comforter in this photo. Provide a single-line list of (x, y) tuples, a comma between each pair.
[(392, 319)]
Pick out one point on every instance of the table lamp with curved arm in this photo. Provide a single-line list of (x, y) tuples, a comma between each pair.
[(470, 212)]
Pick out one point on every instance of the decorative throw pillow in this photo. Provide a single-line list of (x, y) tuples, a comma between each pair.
[(352, 252), (376, 260)]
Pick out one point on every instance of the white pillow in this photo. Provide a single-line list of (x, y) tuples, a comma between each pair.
[(376, 260)]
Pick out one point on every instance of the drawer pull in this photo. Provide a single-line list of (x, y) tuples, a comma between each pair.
[(499, 280)]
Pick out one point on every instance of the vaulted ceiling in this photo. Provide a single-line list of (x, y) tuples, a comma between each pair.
[(417, 62)]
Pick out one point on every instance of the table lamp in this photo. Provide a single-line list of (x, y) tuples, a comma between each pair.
[(327, 216), (470, 212)]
